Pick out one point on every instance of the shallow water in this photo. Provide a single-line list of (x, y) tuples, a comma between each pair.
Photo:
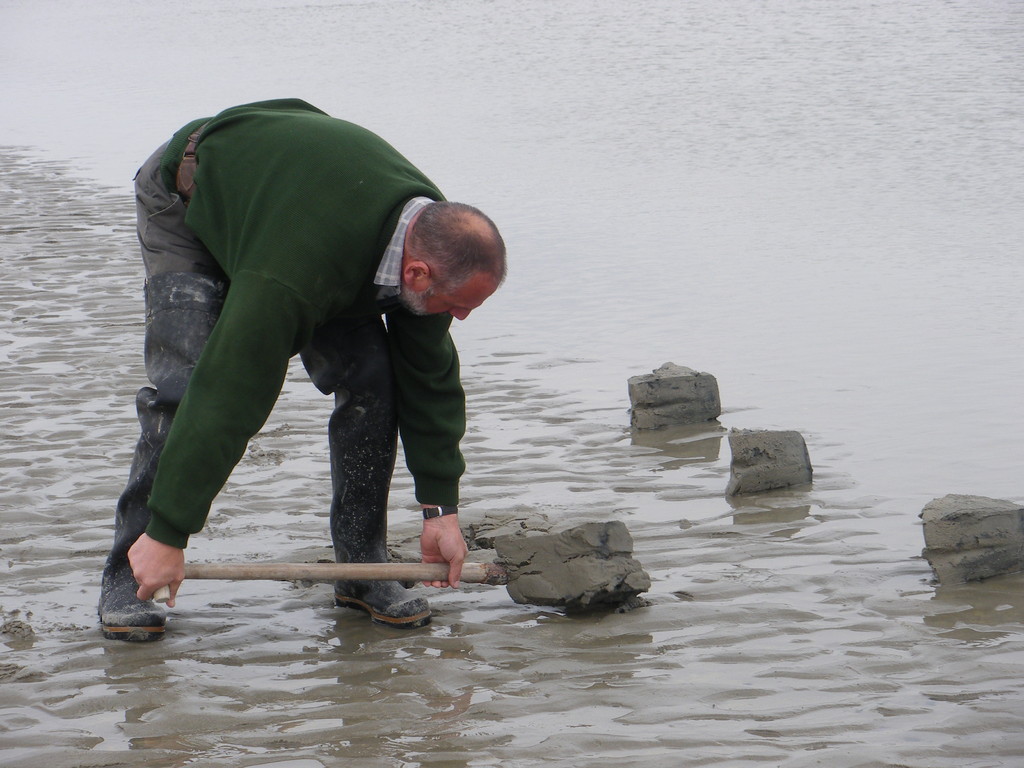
[(816, 202)]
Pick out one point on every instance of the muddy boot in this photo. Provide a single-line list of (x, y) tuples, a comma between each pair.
[(362, 460), (351, 360), (181, 309), (122, 615)]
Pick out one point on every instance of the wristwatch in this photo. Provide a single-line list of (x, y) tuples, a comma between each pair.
[(431, 512)]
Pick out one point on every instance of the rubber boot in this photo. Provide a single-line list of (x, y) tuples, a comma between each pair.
[(181, 309), (352, 360)]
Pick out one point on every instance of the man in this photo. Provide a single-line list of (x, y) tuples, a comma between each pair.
[(272, 230)]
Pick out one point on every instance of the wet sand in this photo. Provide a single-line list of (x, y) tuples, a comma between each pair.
[(796, 628)]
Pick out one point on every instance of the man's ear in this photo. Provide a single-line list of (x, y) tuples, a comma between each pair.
[(416, 275)]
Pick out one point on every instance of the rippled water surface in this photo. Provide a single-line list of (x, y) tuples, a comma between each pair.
[(817, 202)]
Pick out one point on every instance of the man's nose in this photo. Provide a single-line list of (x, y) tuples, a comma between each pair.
[(459, 314)]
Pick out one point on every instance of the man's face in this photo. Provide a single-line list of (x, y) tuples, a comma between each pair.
[(458, 302)]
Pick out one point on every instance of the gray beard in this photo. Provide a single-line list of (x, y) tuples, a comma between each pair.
[(415, 302)]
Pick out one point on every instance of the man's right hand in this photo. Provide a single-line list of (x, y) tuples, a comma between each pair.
[(156, 565), (442, 542)]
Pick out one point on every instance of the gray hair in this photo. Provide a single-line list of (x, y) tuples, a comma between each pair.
[(458, 241)]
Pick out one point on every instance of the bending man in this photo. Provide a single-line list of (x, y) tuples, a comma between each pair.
[(272, 230)]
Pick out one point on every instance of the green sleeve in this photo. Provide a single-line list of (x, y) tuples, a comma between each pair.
[(230, 395), (431, 403)]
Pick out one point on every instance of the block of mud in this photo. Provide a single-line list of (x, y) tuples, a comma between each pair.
[(673, 394), (585, 568), (968, 538), (764, 460), (481, 532)]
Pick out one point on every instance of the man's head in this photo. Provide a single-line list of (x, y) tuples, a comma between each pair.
[(454, 259)]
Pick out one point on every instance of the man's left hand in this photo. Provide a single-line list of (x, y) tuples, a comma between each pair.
[(442, 542)]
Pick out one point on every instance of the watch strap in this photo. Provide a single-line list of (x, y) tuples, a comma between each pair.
[(430, 513)]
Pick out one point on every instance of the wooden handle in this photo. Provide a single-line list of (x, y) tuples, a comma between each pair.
[(472, 573)]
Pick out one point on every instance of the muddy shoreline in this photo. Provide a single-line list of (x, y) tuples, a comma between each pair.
[(787, 628)]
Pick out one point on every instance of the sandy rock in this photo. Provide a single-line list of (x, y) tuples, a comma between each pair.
[(973, 537), (673, 394), (764, 460), (483, 530), (17, 629), (583, 568)]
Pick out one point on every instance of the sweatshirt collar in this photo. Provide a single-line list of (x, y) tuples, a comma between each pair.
[(389, 274)]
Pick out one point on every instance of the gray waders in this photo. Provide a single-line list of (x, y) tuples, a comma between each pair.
[(181, 309), (347, 358), (350, 359)]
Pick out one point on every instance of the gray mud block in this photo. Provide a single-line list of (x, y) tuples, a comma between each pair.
[(481, 533), (583, 568), (968, 538), (673, 395), (764, 460)]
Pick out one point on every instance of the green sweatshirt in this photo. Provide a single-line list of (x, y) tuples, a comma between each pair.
[(297, 208)]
